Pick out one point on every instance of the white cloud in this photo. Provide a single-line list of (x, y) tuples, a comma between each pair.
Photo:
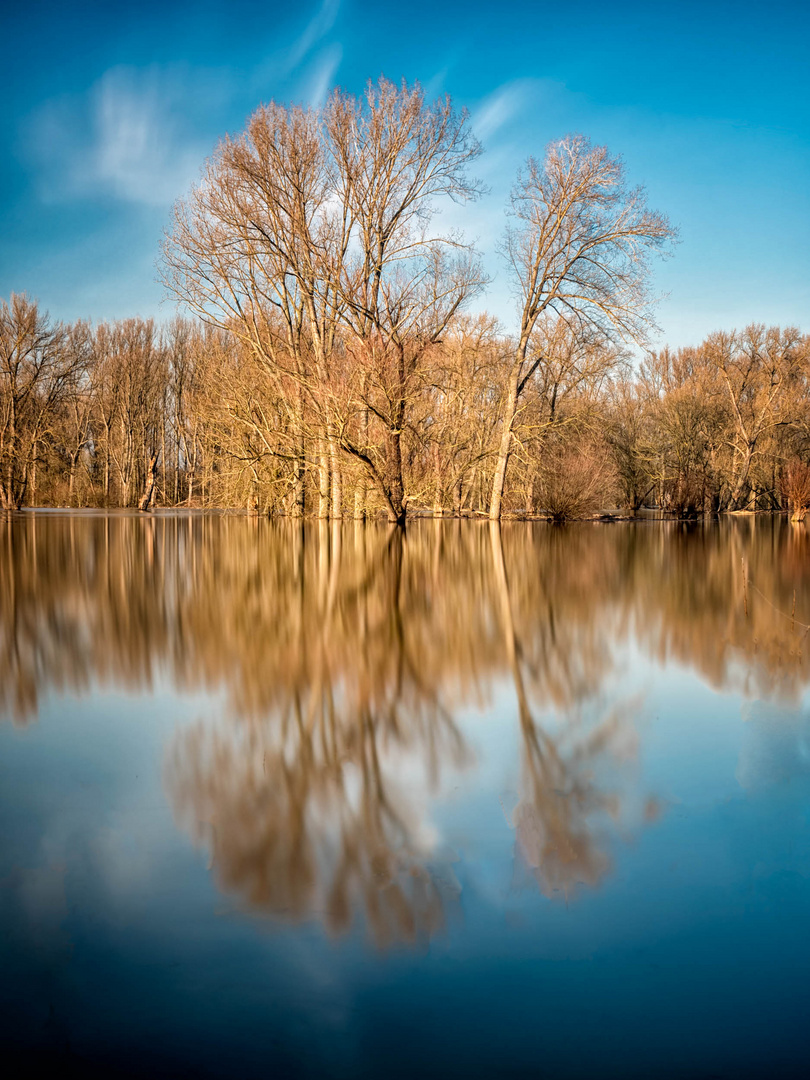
[(530, 100), (318, 79), (140, 152), (498, 109), (320, 25), (125, 137)]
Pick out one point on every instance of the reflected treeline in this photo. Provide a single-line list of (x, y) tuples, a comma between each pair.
[(341, 657)]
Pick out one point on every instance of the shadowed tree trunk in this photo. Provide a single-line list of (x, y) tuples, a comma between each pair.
[(151, 481)]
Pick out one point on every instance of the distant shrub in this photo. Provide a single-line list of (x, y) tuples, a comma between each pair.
[(684, 496), (576, 481), (796, 489)]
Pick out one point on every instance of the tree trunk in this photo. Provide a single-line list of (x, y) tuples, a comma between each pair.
[(72, 478), (298, 493), (337, 494), (742, 479), (323, 480), (499, 479), (33, 484), (107, 467), (360, 492), (253, 497), (395, 495), (298, 508), (151, 481), (437, 479)]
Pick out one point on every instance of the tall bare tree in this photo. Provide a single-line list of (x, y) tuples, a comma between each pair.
[(256, 249), (402, 281), (579, 247), (316, 222)]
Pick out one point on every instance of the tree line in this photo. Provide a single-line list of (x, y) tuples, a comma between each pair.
[(329, 363)]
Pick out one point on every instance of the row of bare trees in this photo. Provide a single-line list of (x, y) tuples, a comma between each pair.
[(120, 414), (314, 238), (87, 413), (332, 367), (723, 426)]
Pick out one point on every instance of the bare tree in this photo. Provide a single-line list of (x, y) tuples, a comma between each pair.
[(35, 369), (312, 222), (256, 249), (579, 248), (457, 426), (402, 282), (796, 489), (761, 371)]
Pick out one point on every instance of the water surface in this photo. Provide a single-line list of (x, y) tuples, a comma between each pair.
[(338, 801)]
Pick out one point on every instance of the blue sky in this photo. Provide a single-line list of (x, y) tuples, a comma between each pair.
[(108, 114)]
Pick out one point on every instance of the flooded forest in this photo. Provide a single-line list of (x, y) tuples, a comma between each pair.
[(335, 359), (404, 567), (185, 415)]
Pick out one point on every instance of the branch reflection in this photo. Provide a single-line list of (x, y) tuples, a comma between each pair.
[(343, 659)]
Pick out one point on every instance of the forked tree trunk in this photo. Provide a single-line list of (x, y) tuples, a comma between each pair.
[(742, 480)]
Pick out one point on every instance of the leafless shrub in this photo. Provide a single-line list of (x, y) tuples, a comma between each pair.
[(684, 496), (796, 489), (576, 481)]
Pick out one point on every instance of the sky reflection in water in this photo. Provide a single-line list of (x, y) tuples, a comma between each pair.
[(334, 801)]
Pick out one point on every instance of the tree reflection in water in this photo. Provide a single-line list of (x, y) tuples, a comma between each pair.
[(554, 819), (300, 805), (345, 655)]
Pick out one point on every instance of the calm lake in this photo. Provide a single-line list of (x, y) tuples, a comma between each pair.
[(335, 801)]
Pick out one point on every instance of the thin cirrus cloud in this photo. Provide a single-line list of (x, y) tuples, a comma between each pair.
[(132, 137), (123, 138), (501, 107), (317, 28), (308, 60), (319, 75), (537, 103)]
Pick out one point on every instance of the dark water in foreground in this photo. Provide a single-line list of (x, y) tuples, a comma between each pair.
[(331, 803)]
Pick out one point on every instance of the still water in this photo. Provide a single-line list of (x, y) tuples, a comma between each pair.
[(338, 802)]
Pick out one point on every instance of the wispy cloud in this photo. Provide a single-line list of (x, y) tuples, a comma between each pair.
[(502, 106), (318, 79), (304, 66), (436, 84), (522, 99), (134, 135), (317, 28), (125, 137), (141, 153)]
